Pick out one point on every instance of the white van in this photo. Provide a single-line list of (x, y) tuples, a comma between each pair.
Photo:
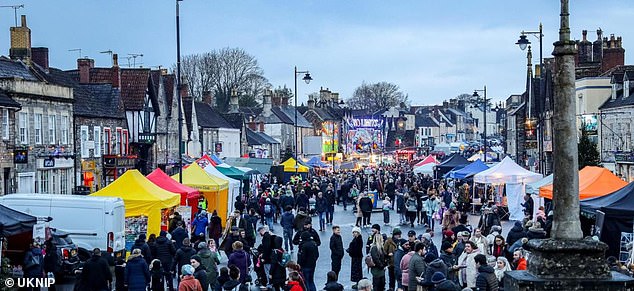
[(92, 222)]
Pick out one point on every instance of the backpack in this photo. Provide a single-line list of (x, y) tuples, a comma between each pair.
[(283, 257), (267, 209), (368, 261)]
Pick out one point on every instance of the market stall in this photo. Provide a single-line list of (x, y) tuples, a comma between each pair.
[(189, 195), (234, 185), (427, 160), (455, 160), (289, 169), (15, 223), (426, 169), (593, 182), (141, 197), (214, 189), (463, 173), (514, 177)]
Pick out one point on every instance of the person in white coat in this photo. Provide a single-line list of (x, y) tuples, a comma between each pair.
[(481, 241), (432, 205), (468, 271)]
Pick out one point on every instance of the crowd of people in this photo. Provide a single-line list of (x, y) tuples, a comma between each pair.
[(246, 250)]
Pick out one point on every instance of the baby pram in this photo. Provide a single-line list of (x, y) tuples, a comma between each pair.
[(312, 202)]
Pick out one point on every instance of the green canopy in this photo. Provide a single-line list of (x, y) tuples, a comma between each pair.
[(232, 172)]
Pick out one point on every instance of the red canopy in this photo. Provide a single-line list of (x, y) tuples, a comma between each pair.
[(189, 195)]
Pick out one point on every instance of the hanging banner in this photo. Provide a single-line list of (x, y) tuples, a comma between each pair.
[(134, 226)]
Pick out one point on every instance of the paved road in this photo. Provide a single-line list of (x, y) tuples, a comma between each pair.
[(346, 220)]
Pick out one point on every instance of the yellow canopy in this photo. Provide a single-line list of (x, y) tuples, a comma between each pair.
[(196, 177), (214, 189), (289, 166), (141, 198)]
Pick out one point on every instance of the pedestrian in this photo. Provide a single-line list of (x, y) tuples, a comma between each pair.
[(269, 212), (33, 266), (215, 227), (278, 268), (165, 251), (519, 262), (468, 269), (286, 221), (390, 246), (137, 273), (365, 203), (331, 198), (307, 228), (233, 283), (404, 266), (386, 206), (368, 244), (96, 273), (200, 223), (307, 259), (447, 256), (410, 206), (157, 276), (265, 250), (431, 208), (379, 261), (516, 233), (358, 213), (336, 250), (486, 280), (398, 256), (240, 259), (200, 271), (183, 255), (187, 280), (434, 265), (416, 267), (442, 284), (331, 282), (294, 282), (355, 251), (174, 220), (450, 218), (481, 241), (52, 261), (364, 285), (119, 274), (400, 207), (321, 207), (210, 259), (501, 265)]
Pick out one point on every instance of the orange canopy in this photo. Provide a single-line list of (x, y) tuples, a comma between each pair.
[(593, 182)]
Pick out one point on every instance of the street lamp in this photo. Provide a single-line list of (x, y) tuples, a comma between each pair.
[(178, 92), (523, 43), (484, 102), (307, 78)]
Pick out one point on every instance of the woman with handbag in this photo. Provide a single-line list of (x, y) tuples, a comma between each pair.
[(33, 263)]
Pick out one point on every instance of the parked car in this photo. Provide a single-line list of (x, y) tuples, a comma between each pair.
[(67, 251)]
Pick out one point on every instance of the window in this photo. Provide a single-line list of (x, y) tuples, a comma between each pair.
[(97, 139), (5, 124), (37, 125), (51, 130), (64, 129), (63, 181), (23, 127), (43, 180), (124, 143), (117, 144), (107, 137), (83, 136)]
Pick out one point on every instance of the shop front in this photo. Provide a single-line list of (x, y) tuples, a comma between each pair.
[(54, 175), (115, 166)]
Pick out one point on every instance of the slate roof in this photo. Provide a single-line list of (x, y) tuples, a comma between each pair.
[(259, 138), (619, 101), (210, 118), (267, 138), (235, 120), (287, 115), (15, 69), (425, 121), (7, 102), (98, 100)]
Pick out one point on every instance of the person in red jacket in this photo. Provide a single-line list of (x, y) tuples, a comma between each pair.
[(519, 262), (294, 283)]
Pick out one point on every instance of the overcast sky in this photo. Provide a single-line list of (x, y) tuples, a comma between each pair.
[(433, 50)]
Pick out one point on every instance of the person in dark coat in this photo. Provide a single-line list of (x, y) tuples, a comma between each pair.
[(178, 235), (486, 280), (300, 219), (434, 265), (355, 251), (286, 221), (52, 262), (96, 273), (529, 205), (307, 259), (331, 283), (302, 200), (200, 272), (215, 227), (336, 250), (321, 207), (173, 223), (278, 271), (307, 228), (165, 252), (140, 243), (33, 262), (119, 275), (137, 273), (240, 259), (516, 233), (365, 203), (157, 276), (183, 255)]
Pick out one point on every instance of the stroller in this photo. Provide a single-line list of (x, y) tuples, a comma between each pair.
[(312, 203), (258, 267)]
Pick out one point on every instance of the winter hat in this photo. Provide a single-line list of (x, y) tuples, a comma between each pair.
[(396, 231), (464, 234), (448, 233), (403, 242), (438, 277), (427, 236), (187, 270), (202, 245), (446, 245), (187, 242), (411, 233), (356, 229), (430, 257), (496, 228), (377, 227), (197, 258)]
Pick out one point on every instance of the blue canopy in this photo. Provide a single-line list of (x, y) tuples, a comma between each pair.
[(476, 167), (316, 162)]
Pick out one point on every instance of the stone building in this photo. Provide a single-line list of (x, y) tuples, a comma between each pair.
[(166, 146)]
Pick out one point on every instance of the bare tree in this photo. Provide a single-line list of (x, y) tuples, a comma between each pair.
[(377, 96), (222, 70)]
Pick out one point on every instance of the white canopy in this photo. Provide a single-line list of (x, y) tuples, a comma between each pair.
[(425, 169), (533, 188), (507, 172), (234, 185)]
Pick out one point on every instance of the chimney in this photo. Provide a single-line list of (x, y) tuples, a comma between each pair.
[(251, 123), (39, 55), (266, 103), (233, 104), (20, 42), (284, 100), (311, 102), (84, 66), (613, 55), (335, 98), (597, 47), (208, 98), (184, 90), (163, 71), (116, 74), (584, 53), (261, 126), (275, 99)]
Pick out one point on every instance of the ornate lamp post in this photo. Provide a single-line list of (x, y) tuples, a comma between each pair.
[(307, 78), (484, 109)]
